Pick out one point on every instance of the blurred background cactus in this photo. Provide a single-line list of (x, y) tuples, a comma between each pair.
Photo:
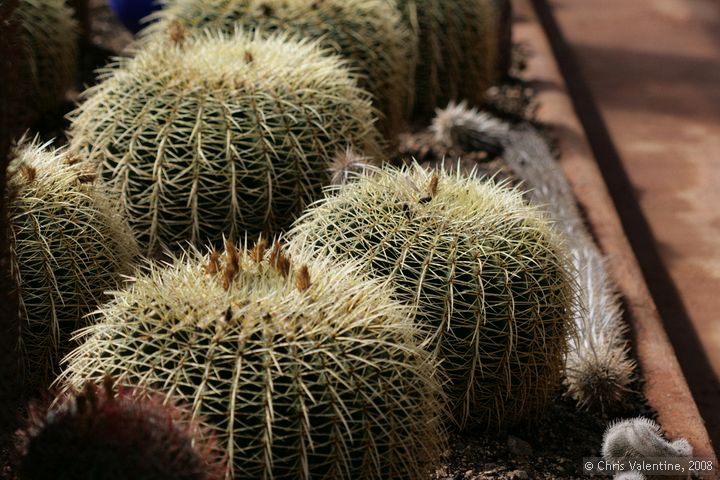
[(220, 133), (485, 271), (101, 434), (369, 34), (50, 36), (69, 244), (301, 368), (458, 43)]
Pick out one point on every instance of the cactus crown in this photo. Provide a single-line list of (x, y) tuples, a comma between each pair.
[(101, 434), (218, 134), (302, 369), (68, 245), (484, 269), (50, 34), (369, 34)]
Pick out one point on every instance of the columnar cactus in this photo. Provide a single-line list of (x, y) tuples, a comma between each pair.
[(69, 244), (220, 133), (50, 36), (301, 368), (598, 369), (369, 34), (484, 270), (458, 43), (101, 434)]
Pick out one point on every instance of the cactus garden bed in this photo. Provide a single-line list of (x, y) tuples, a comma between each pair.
[(322, 341)]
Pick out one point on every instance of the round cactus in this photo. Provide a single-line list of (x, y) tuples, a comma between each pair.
[(50, 35), (370, 34), (68, 246), (221, 134), (485, 271), (302, 369), (100, 434), (458, 41)]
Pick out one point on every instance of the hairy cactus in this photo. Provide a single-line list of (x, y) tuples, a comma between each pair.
[(220, 134), (68, 246), (302, 369), (641, 439), (50, 36), (484, 270), (598, 367), (100, 434), (458, 41), (369, 34)]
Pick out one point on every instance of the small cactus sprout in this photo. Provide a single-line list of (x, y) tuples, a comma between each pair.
[(483, 269), (221, 134), (641, 439), (68, 243), (598, 367), (458, 44), (50, 36), (300, 367), (369, 34), (101, 434)]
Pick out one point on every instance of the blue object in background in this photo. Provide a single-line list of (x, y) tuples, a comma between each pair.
[(130, 12)]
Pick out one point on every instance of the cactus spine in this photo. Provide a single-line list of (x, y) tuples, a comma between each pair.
[(101, 434), (220, 133), (484, 270), (68, 246), (369, 34), (50, 35), (598, 366), (301, 368), (458, 44)]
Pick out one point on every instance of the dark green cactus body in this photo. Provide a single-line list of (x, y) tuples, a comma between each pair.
[(100, 434), (303, 370), (458, 43), (50, 36), (69, 245), (484, 270), (369, 34), (221, 134)]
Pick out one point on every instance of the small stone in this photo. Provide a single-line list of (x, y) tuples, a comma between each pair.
[(519, 447), (469, 474), (520, 475)]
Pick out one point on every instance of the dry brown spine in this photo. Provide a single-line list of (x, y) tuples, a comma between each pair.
[(303, 278)]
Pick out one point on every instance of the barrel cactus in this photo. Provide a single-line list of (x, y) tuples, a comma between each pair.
[(68, 243), (50, 36), (103, 434), (220, 133), (485, 271), (458, 41), (370, 34), (301, 368)]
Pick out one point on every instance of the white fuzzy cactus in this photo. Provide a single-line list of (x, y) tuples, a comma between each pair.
[(598, 367)]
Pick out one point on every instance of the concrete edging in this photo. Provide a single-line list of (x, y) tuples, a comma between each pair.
[(665, 386)]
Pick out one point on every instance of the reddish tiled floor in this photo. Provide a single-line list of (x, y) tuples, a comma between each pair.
[(652, 68)]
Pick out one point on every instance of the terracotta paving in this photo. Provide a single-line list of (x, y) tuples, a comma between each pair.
[(651, 70)]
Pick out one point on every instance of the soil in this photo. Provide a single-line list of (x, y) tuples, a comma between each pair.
[(551, 449)]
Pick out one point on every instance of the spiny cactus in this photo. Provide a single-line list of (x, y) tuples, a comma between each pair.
[(484, 270), (458, 42), (50, 37), (101, 434), (369, 34), (68, 246), (598, 368), (301, 368), (641, 439), (220, 133)]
